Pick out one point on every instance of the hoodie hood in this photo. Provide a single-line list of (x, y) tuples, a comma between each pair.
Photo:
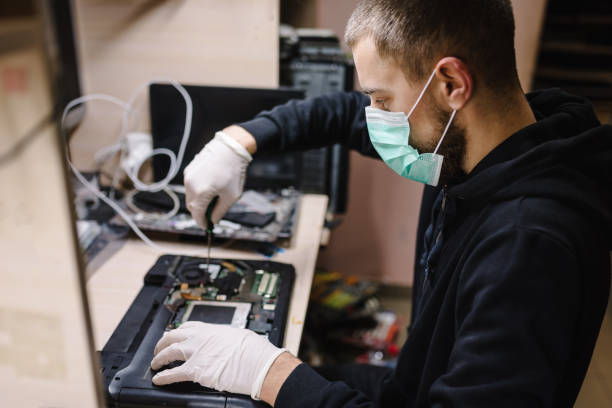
[(566, 155)]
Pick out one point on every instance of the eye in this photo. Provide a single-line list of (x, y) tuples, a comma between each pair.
[(380, 103)]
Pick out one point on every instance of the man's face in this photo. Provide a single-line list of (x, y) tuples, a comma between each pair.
[(384, 82)]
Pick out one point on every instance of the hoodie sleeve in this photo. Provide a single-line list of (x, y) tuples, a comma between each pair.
[(305, 388), (312, 123), (516, 312)]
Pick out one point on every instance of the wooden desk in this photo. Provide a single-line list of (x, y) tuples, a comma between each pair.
[(114, 285)]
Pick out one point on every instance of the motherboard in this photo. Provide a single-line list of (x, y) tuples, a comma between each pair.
[(241, 293), (228, 292)]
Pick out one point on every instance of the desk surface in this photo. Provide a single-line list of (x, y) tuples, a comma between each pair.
[(114, 285)]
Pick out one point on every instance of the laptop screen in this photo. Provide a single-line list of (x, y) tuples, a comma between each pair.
[(215, 108)]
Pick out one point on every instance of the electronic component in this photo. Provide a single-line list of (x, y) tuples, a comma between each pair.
[(224, 292), (279, 217), (194, 273), (234, 314), (188, 291), (265, 283), (312, 60)]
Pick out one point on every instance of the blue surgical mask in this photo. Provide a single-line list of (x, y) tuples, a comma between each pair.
[(390, 135)]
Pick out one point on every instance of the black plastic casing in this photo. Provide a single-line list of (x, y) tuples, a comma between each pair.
[(126, 357)]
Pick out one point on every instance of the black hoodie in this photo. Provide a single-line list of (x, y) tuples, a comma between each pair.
[(513, 262)]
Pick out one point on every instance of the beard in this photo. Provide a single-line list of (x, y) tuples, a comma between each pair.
[(452, 147)]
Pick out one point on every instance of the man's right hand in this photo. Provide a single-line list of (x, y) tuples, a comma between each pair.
[(218, 170)]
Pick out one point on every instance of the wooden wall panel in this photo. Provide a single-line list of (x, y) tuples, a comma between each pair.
[(122, 44)]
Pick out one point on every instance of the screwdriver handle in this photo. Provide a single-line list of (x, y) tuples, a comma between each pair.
[(209, 210)]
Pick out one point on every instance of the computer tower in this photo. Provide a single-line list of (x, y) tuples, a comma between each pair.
[(312, 61)]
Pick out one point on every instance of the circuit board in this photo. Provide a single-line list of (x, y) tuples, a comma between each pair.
[(283, 203), (241, 293), (227, 292)]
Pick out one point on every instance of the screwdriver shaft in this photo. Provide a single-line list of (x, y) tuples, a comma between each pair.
[(208, 256), (210, 227)]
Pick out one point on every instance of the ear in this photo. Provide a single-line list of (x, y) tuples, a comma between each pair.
[(456, 83)]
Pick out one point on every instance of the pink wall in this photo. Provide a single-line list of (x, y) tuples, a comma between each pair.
[(377, 238)]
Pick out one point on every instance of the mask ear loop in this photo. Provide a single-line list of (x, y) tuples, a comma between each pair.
[(445, 130), (431, 77)]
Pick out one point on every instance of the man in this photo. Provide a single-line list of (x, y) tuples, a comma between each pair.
[(512, 277)]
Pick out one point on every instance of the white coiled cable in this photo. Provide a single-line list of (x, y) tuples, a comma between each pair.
[(175, 159)]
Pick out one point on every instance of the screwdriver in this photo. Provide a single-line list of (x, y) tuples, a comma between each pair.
[(209, 227)]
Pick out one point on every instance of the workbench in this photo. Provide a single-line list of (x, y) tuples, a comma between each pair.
[(114, 285)]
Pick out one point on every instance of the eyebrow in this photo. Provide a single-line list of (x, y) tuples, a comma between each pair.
[(370, 91)]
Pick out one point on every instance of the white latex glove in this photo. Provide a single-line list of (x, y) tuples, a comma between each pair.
[(219, 169), (216, 356)]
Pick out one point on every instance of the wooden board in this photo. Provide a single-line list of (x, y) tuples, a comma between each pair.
[(123, 44)]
